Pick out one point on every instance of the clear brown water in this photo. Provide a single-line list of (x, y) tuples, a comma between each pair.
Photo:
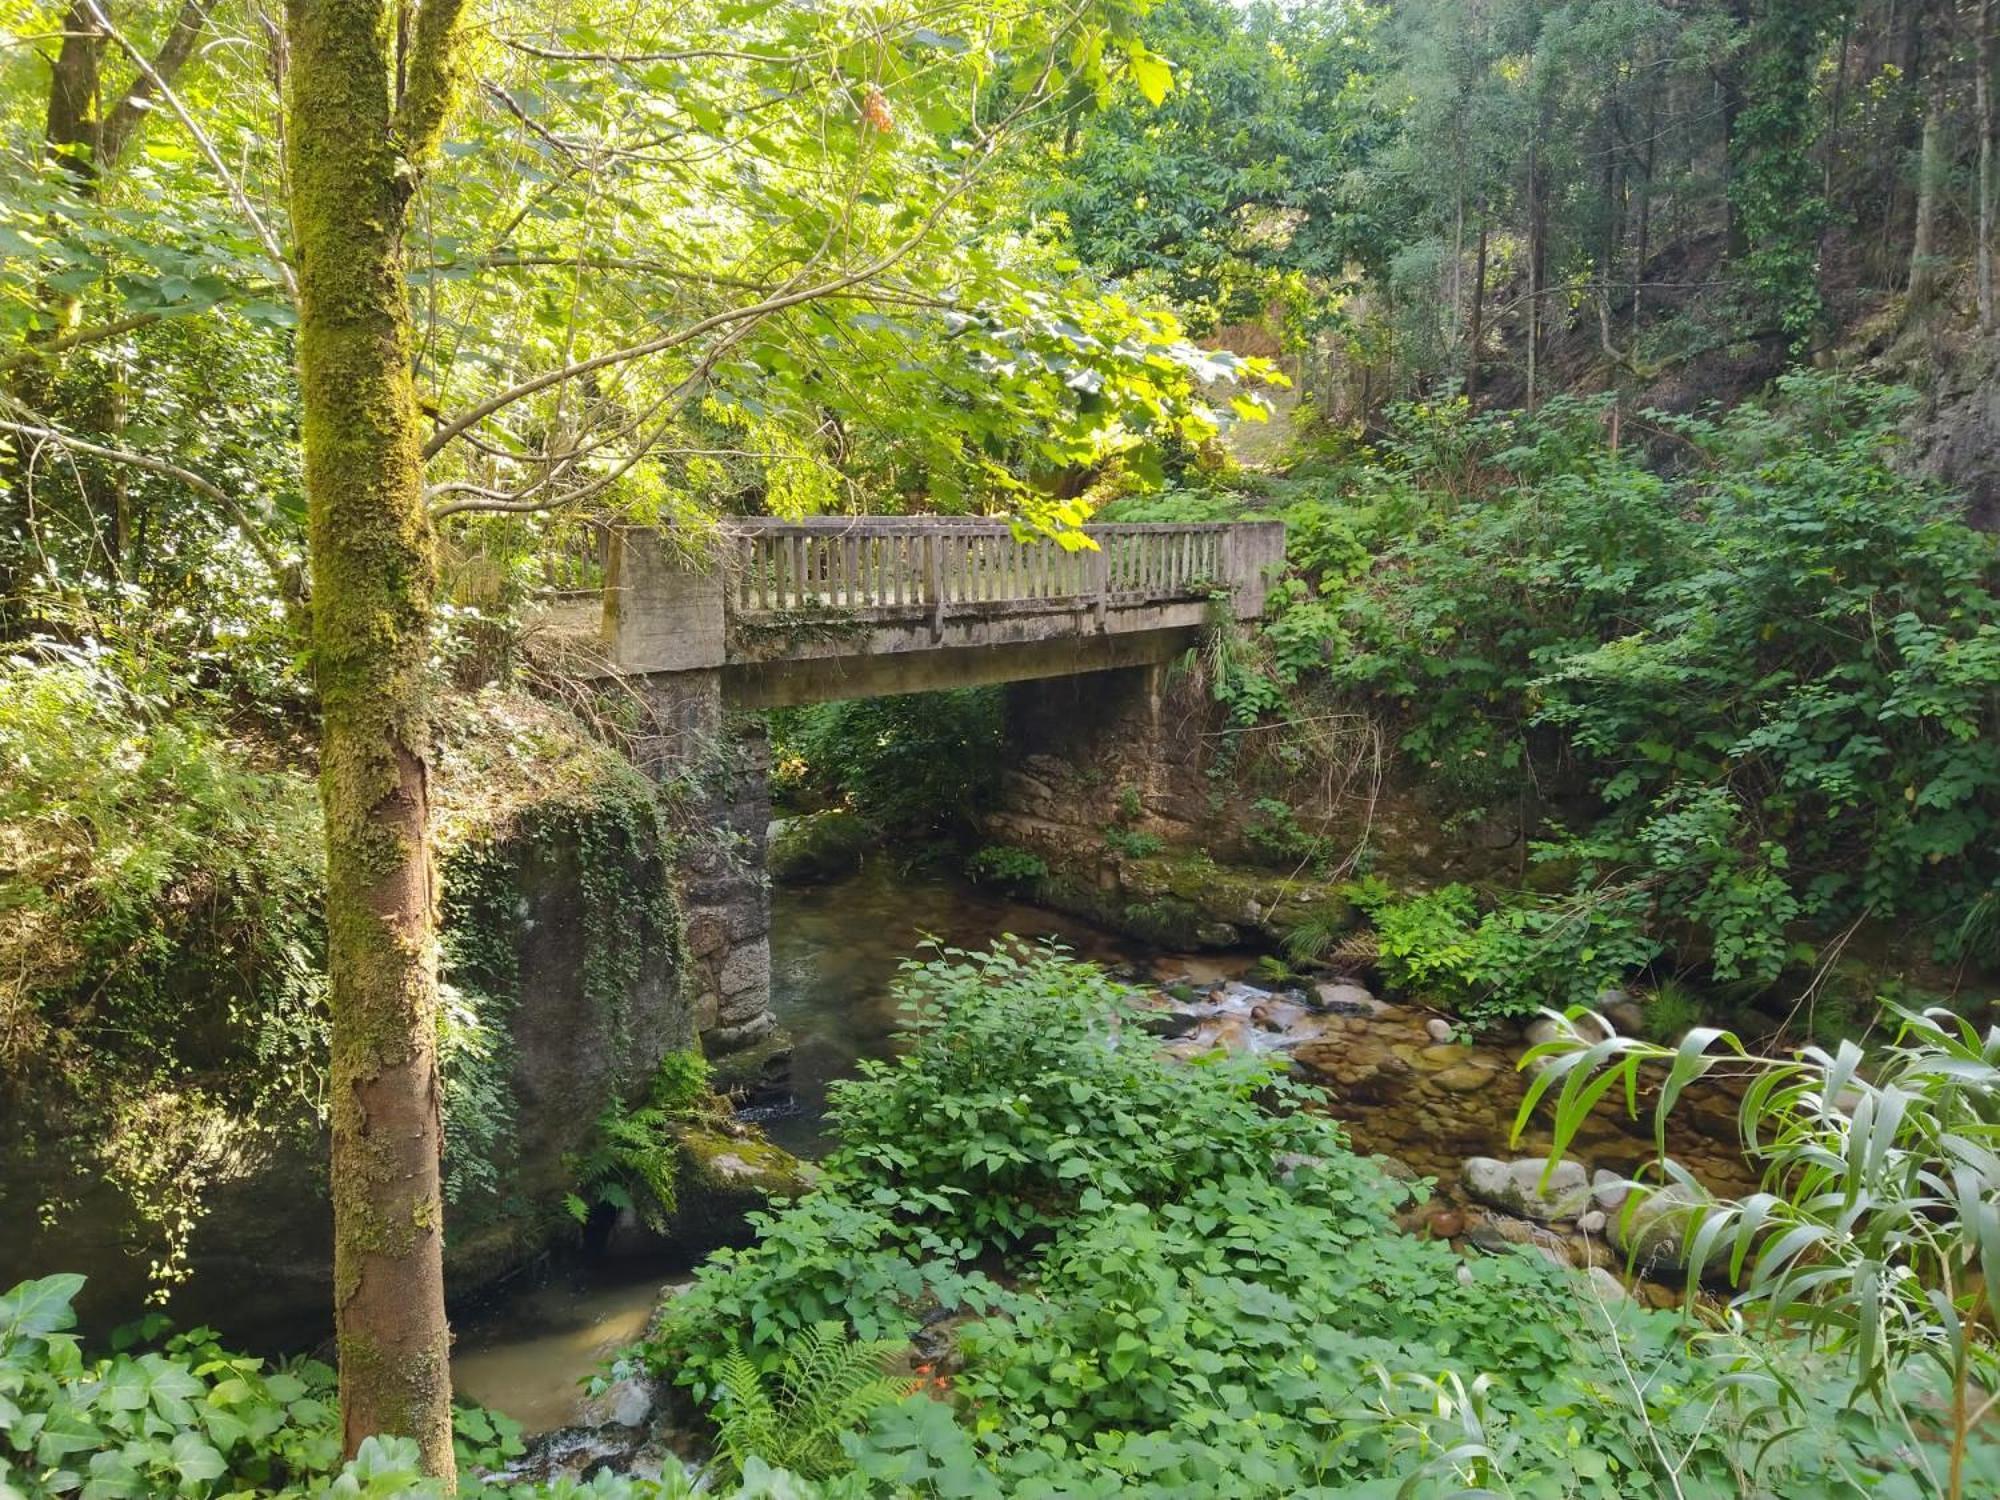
[(835, 951), (529, 1352)]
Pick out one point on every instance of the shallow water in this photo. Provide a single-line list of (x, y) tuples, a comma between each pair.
[(528, 1353), (835, 949)]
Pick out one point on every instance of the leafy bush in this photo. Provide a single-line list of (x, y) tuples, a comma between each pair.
[(161, 886), (1876, 1225), (1513, 960), (188, 1418), (920, 764), (827, 1385), (1208, 1294), (1132, 843), (632, 1160), (1773, 664), (1005, 865)]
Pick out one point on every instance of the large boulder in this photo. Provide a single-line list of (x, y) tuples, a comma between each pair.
[(1518, 1187), (818, 846)]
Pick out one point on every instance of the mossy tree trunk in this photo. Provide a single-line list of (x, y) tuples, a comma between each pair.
[(356, 148)]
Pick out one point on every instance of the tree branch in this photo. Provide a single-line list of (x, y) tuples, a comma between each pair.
[(757, 310), (432, 78), (179, 46), (236, 194), (284, 577), (90, 335)]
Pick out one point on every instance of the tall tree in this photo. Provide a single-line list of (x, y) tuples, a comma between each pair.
[(365, 110)]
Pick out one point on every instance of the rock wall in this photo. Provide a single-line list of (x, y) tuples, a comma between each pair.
[(577, 1022), (714, 767), (1158, 817)]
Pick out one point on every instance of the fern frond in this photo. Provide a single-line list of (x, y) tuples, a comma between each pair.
[(747, 1423)]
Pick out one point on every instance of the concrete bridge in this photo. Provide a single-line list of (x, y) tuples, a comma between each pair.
[(766, 613)]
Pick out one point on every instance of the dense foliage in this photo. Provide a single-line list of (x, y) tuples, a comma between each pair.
[(1738, 684), (1176, 1280), (192, 1419), (1877, 1212), (922, 764)]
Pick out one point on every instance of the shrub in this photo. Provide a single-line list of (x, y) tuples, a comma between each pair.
[(1005, 865), (1772, 665), (925, 763), (1207, 1291)]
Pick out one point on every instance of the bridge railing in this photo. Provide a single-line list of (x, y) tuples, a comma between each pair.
[(850, 563)]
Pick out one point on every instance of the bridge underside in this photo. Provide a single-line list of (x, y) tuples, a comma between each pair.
[(877, 673)]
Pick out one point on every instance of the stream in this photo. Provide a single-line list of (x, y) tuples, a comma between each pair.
[(1405, 1091)]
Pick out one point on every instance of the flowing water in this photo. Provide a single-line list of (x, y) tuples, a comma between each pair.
[(1425, 1100), (835, 950), (528, 1352)]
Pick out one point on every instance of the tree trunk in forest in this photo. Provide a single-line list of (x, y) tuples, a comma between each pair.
[(1643, 232), (354, 153), (1736, 240), (1982, 93), (1478, 332), (1930, 183)]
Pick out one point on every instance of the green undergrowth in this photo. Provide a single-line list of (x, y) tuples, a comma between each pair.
[(166, 1414), (162, 939), (1737, 671), (1175, 1280), (922, 764)]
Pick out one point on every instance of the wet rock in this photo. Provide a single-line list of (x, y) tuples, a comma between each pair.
[(1346, 998), (623, 1403), (1464, 1079), (1518, 1186), (1277, 1015), (1236, 993), (1440, 1029)]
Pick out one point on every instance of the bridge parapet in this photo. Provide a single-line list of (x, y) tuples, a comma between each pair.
[(765, 593)]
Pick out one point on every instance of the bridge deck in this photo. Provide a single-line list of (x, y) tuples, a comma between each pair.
[(794, 611)]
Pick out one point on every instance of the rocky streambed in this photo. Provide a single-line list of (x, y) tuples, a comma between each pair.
[(1432, 1104)]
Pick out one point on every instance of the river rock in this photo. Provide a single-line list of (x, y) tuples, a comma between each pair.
[(817, 846), (1346, 998), (1237, 993), (623, 1403), (1604, 1286), (1622, 1011), (1517, 1186), (1464, 1079), (1592, 1222), (1439, 1028), (1608, 1190), (1445, 1224), (1652, 1232), (1500, 1236)]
